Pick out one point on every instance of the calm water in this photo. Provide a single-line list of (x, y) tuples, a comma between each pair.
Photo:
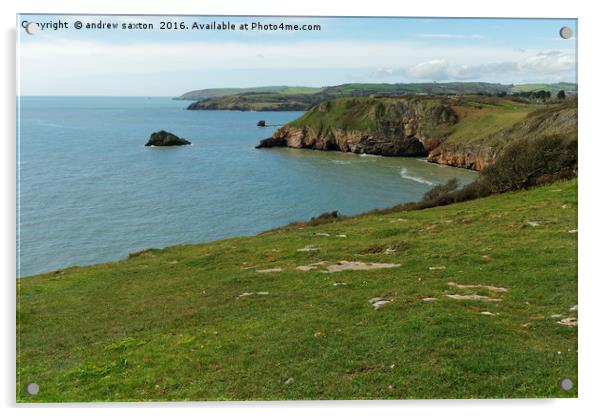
[(91, 192)]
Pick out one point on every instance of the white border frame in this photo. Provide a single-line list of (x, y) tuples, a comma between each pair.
[(590, 286)]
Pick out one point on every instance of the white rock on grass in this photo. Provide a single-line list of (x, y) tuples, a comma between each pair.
[(308, 248), (312, 266), (322, 234), (378, 303), (534, 223), (245, 294), (568, 321), (437, 268), (573, 308), (358, 265), (429, 299), (473, 297), (273, 270), (573, 231), (491, 288)]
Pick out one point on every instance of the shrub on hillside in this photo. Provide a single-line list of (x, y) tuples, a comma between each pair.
[(448, 193), (440, 190), (527, 163)]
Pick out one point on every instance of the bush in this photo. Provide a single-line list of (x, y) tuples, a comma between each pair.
[(527, 163), (440, 190), (323, 218)]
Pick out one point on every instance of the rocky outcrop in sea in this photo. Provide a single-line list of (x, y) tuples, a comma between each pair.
[(164, 138)]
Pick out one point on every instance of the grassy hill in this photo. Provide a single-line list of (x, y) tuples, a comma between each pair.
[(467, 131), (222, 92), (553, 88), (478, 116), (431, 88), (258, 101), (302, 98), (269, 317)]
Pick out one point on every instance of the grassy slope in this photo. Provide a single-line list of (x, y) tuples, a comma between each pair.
[(343, 113), (479, 119), (167, 324), (488, 121), (222, 92), (478, 116)]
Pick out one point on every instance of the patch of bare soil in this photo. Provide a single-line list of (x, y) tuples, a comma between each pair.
[(343, 265), (474, 297), (490, 288)]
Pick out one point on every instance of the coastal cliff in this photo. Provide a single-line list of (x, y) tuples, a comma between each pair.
[(257, 101), (467, 132), (380, 126), (475, 152)]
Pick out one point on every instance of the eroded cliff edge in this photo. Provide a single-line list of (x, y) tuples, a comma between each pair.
[(467, 132)]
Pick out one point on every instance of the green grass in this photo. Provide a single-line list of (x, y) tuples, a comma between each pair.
[(223, 92), (553, 88), (259, 101), (167, 324), (481, 120), (361, 113), (478, 120), (274, 98)]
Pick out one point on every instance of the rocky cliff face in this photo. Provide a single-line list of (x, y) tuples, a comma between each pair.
[(344, 141), (416, 126), (476, 155), (393, 127)]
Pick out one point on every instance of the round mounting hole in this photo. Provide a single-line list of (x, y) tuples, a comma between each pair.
[(32, 28), (566, 384), (33, 388), (566, 32)]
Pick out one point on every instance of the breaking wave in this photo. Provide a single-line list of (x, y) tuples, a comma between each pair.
[(404, 174)]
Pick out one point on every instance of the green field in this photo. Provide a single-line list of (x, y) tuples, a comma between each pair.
[(553, 88), (171, 324)]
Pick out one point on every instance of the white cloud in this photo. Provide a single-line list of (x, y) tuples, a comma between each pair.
[(435, 69), (543, 65)]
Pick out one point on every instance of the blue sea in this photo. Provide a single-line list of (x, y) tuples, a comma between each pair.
[(89, 191)]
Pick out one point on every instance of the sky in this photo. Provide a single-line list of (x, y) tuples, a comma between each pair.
[(169, 62)]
